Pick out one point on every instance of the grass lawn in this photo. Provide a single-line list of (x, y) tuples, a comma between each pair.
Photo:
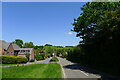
[(33, 71), (54, 59)]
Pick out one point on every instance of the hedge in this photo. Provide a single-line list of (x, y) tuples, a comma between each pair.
[(32, 60), (13, 59), (39, 57)]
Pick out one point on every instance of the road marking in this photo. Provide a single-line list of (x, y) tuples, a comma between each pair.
[(84, 73), (64, 75)]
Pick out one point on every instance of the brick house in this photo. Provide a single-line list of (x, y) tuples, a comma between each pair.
[(14, 50)]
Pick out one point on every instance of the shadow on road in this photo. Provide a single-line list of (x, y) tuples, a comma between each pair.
[(91, 71)]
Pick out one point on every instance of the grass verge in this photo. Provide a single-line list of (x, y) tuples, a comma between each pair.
[(33, 71), (54, 59)]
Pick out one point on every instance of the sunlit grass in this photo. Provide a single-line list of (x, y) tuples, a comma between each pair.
[(33, 71)]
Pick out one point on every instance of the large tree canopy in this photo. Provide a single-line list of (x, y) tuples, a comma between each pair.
[(99, 27), (96, 18)]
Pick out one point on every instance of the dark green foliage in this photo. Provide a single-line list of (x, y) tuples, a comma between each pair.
[(75, 54), (54, 59), (98, 26), (27, 56), (32, 60), (19, 42), (28, 45), (48, 45), (47, 55), (64, 55), (38, 47), (13, 59), (38, 57)]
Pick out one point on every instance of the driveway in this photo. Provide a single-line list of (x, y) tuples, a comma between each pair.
[(73, 70)]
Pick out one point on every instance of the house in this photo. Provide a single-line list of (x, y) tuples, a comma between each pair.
[(14, 50)]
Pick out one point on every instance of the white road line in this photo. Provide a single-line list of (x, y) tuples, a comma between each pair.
[(84, 73), (64, 75)]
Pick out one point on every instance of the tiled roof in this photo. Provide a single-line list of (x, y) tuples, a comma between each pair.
[(5, 45), (15, 46)]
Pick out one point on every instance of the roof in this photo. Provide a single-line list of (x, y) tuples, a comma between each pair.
[(5, 45), (15, 47)]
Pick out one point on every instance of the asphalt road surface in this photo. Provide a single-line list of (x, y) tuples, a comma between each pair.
[(43, 61), (72, 70)]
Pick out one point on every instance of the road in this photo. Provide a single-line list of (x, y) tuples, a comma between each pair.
[(72, 70), (43, 61)]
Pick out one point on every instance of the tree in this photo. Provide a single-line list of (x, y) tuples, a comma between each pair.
[(38, 47), (19, 42), (28, 45), (27, 56), (98, 27), (48, 49), (87, 25), (48, 45)]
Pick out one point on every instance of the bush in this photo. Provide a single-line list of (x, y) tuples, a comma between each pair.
[(20, 59), (39, 58), (27, 56), (54, 59), (32, 60), (13, 59), (64, 55)]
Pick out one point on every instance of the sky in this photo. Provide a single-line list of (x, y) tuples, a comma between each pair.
[(40, 22)]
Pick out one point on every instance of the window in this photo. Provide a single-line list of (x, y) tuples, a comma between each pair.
[(22, 51), (27, 50)]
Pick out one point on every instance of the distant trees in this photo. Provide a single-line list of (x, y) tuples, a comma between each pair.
[(98, 27), (48, 45), (45, 51)]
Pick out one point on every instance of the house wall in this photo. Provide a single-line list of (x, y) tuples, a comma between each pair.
[(10, 50), (1, 51), (22, 55), (32, 54)]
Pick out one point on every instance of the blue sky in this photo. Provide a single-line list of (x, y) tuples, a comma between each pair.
[(40, 22)]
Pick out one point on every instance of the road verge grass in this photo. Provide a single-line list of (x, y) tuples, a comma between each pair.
[(54, 59), (33, 71)]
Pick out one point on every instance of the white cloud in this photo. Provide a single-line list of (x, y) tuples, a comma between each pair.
[(70, 33)]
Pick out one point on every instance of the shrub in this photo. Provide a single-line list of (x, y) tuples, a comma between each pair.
[(32, 60), (27, 56), (39, 57), (13, 59), (64, 55), (20, 59), (54, 59)]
